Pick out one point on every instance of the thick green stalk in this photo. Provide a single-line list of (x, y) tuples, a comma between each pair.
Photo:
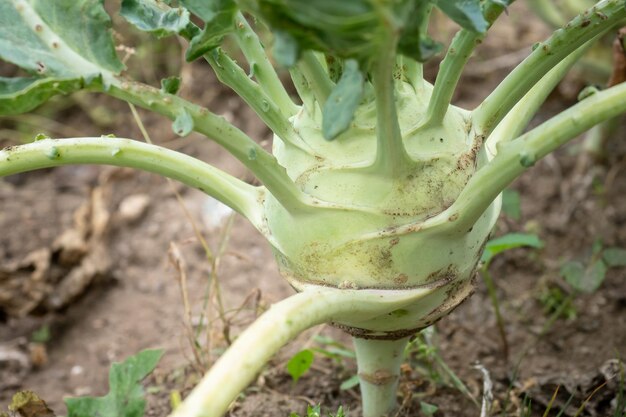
[(449, 74), (378, 364), (47, 153), (261, 68), (451, 68), (260, 162), (515, 157), (596, 21), (316, 76), (282, 322), (518, 118), (232, 75), (391, 156)]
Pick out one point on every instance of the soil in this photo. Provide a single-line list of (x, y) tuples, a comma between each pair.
[(148, 250)]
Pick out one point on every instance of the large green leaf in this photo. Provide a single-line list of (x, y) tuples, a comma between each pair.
[(57, 38), (22, 94), (61, 43), (125, 397), (155, 17)]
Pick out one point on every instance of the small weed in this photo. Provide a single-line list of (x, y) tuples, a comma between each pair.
[(556, 302), (423, 356), (301, 362), (126, 395), (492, 249)]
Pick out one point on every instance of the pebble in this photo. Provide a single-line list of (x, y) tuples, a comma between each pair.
[(133, 207)]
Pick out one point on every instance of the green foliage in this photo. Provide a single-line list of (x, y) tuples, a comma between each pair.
[(155, 17), (80, 25), (125, 397), (354, 29), (428, 409), (556, 303), (170, 85), (81, 52), (300, 364), (423, 355), (219, 16), (41, 335), (508, 242), (467, 13), (23, 94), (587, 275), (614, 257), (343, 101)]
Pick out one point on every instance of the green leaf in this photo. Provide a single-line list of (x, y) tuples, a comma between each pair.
[(58, 38), (466, 13), (65, 44), (219, 18), (428, 409), (170, 85), (351, 382), (314, 411), (614, 257), (507, 242), (343, 101), (300, 364), (286, 50), (582, 279), (125, 397), (340, 413), (511, 204), (183, 124), (414, 42), (22, 94), (155, 17)]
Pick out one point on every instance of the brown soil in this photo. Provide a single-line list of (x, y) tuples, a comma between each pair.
[(135, 301)]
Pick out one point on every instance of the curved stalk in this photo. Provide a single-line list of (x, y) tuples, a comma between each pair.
[(518, 118), (595, 21), (451, 68), (238, 195), (232, 75), (319, 81), (261, 68), (517, 156), (379, 372), (282, 322), (260, 162)]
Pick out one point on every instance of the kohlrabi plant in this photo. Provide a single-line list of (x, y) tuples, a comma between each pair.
[(378, 195)]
